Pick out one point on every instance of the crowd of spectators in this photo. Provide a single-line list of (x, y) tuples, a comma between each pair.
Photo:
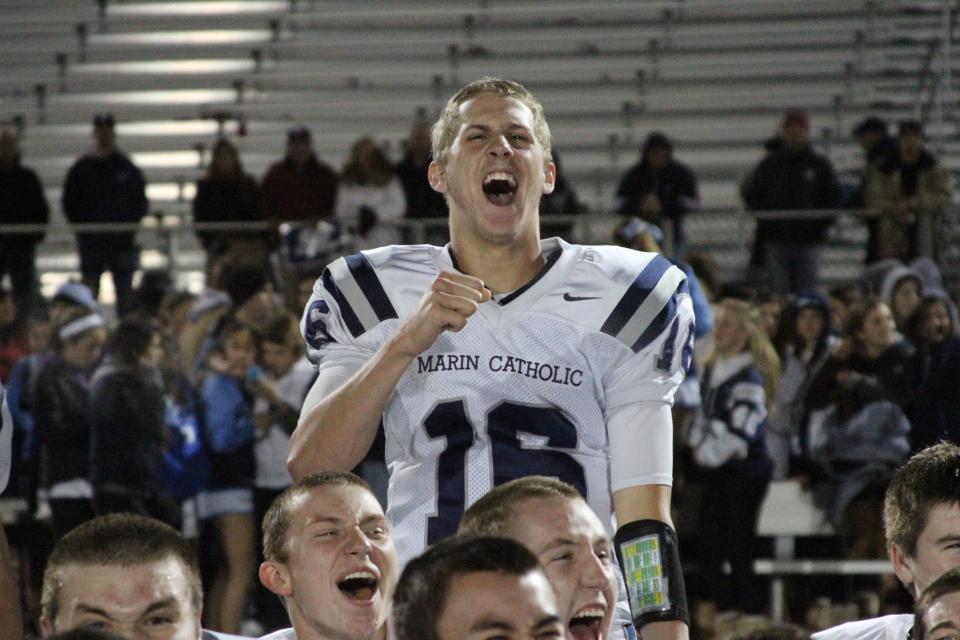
[(833, 388)]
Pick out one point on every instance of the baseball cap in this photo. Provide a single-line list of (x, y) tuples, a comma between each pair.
[(104, 120), (76, 293), (298, 134), (796, 117), (870, 124)]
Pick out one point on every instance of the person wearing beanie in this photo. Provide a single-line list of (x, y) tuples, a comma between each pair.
[(803, 343), (792, 176), (106, 187), (911, 189), (659, 188)]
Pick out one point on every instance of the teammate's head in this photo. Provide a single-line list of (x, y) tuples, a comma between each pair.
[(553, 521), (446, 127), (132, 576), (937, 614), (472, 587), (330, 556), (921, 516)]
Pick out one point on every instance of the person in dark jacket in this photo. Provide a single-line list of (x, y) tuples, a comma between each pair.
[(878, 146), (21, 202), (60, 417), (227, 194), (299, 187), (791, 176), (127, 411), (106, 187), (932, 330), (422, 200), (659, 188)]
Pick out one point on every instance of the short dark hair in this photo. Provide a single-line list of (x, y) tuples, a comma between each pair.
[(276, 522), (929, 478), (131, 339), (284, 330), (947, 583), (118, 539), (421, 594), (491, 514)]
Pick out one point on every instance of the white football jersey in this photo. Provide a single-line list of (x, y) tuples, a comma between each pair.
[(524, 389), (6, 440)]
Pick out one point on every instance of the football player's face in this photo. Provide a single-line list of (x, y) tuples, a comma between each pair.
[(574, 549), (495, 172), (938, 549), (942, 619), (491, 605), (342, 564), (149, 601)]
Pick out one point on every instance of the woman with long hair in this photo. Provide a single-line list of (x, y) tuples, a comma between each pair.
[(867, 385), (370, 195), (727, 441)]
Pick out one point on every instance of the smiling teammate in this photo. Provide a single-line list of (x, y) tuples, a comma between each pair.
[(500, 355)]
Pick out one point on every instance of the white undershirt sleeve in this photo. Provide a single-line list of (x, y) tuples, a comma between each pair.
[(641, 445), (331, 375)]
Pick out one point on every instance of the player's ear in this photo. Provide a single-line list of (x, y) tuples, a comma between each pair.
[(901, 566), (274, 576), (46, 627), (437, 177), (549, 178)]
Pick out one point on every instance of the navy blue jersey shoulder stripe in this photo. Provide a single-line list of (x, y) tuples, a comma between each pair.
[(354, 326), (662, 320), (369, 284), (636, 293)]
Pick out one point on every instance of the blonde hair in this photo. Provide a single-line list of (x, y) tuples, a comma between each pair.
[(765, 357), (446, 127)]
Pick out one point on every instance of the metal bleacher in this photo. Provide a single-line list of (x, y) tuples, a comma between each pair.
[(715, 75)]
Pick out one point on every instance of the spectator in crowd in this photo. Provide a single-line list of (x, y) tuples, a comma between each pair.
[(70, 296), (551, 519), (228, 503), (937, 615), (728, 444), (921, 519), (126, 574), (474, 587), (227, 194), (901, 289), (330, 557), (61, 417), (780, 631), (21, 202), (127, 434), (911, 189), (562, 201), (370, 195), (10, 622), (878, 146), (20, 400), (422, 201), (299, 187), (932, 331), (202, 319), (791, 176), (106, 187), (659, 188), (286, 365), (149, 294), (13, 340), (862, 391), (803, 345), (841, 298), (770, 306)]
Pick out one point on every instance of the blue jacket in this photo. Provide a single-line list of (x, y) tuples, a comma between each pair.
[(230, 433)]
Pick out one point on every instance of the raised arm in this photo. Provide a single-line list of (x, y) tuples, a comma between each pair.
[(341, 413)]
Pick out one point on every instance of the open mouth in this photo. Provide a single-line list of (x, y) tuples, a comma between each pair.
[(586, 624), (500, 188), (360, 586)]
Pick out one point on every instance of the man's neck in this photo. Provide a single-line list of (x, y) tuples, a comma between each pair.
[(503, 268)]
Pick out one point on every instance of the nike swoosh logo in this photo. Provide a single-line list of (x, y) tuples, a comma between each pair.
[(570, 298)]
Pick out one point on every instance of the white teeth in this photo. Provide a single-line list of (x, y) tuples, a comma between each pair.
[(589, 613), (500, 175), (360, 574)]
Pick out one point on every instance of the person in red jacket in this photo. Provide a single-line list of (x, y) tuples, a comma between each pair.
[(299, 187)]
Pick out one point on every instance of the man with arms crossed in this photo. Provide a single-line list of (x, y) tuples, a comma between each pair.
[(473, 589), (553, 521), (330, 557), (921, 516), (125, 574), (568, 371)]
